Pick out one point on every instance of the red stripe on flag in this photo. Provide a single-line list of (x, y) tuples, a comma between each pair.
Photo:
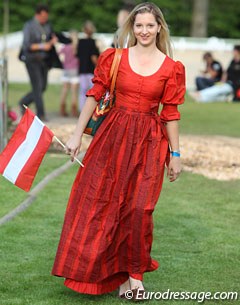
[(16, 140), (28, 172)]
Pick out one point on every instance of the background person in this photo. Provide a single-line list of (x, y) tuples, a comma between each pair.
[(122, 15), (70, 76), (38, 41), (212, 73), (233, 73), (228, 88), (87, 54)]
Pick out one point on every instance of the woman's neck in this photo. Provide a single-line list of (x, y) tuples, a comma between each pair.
[(146, 50)]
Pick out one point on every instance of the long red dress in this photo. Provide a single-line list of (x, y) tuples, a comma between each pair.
[(107, 231)]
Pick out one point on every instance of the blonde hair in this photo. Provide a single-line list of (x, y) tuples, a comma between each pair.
[(74, 38), (126, 31)]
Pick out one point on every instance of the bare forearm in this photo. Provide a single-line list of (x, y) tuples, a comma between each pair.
[(224, 77), (45, 46), (213, 74), (94, 59), (173, 134), (85, 115), (37, 47)]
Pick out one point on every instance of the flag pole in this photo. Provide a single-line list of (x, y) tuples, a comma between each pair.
[(61, 144), (65, 147)]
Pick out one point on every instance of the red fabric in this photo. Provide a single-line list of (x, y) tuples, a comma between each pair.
[(108, 226), (16, 140), (27, 174), (136, 276), (29, 171)]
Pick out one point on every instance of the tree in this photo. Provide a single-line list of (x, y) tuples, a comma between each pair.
[(200, 18), (199, 26)]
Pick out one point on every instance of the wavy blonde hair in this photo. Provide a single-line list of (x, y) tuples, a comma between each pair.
[(125, 36)]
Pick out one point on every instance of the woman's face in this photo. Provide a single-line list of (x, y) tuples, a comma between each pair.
[(145, 29)]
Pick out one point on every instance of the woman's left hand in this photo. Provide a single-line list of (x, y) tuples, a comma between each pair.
[(174, 168)]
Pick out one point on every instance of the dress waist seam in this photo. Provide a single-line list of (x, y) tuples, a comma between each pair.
[(134, 111)]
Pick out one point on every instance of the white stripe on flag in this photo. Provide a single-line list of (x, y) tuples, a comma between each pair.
[(24, 151)]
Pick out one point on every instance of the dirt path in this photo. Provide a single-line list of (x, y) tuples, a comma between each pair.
[(215, 157)]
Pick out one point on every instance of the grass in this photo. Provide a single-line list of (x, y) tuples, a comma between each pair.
[(51, 96), (196, 241), (11, 196), (210, 118), (196, 226), (206, 119)]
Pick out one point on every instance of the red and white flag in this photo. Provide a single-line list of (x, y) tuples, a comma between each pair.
[(21, 158)]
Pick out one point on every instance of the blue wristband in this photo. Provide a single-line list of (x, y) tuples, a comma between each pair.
[(175, 154)]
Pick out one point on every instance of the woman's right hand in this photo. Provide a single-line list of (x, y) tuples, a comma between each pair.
[(73, 145)]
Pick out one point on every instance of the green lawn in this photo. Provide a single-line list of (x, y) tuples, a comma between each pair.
[(11, 195), (51, 96), (196, 227), (210, 119), (196, 241)]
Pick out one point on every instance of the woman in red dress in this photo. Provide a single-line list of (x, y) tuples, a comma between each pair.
[(107, 232)]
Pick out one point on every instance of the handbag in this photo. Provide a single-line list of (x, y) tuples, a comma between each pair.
[(53, 60), (107, 101)]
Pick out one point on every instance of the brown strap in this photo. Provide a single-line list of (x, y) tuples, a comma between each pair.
[(114, 69)]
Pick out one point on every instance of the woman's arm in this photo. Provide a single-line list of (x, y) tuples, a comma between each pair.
[(94, 59), (224, 77), (174, 167), (74, 143), (101, 83)]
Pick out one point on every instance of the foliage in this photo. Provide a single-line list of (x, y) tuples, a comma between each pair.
[(224, 16), (177, 15)]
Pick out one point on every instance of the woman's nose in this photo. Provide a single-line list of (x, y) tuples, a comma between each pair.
[(144, 30)]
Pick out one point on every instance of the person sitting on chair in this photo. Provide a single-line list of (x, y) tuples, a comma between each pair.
[(212, 73)]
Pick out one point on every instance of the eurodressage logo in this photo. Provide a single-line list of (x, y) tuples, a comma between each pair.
[(200, 297)]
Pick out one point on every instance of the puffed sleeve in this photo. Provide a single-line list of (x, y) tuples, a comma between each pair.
[(101, 79), (174, 92)]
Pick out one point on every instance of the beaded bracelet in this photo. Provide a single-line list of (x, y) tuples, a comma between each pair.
[(175, 153)]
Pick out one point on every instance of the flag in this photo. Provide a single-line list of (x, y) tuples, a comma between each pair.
[(21, 158)]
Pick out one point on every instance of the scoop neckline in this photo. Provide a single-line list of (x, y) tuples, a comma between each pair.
[(162, 64)]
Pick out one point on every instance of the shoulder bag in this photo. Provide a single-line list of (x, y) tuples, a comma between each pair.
[(108, 99)]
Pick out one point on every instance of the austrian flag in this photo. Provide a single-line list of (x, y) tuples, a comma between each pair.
[(21, 158)]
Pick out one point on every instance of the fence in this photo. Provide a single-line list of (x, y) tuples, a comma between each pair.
[(3, 102)]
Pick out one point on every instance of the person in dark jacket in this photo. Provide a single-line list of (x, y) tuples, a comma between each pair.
[(233, 73), (38, 43)]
